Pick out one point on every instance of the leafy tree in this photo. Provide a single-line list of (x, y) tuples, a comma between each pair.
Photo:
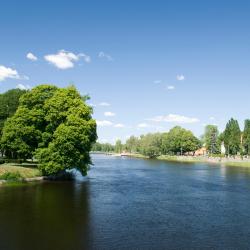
[(131, 144), (246, 137), (179, 141), (211, 139), (9, 102), (118, 146), (54, 125), (150, 145), (232, 137)]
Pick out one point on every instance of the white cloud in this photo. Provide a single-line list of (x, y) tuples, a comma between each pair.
[(175, 119), (104, 123), (180, 77), (211, 118), (105, 104), (31, 57), (119, 125), (102, 140), (105, 55), (170, 87), (157, 81), (65, 60), (8, 73), (23, 87), (108, 113), (143, 125)]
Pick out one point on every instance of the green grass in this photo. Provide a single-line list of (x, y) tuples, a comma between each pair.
[(11, 176), (179, 158), (18, 171), (237, 164)]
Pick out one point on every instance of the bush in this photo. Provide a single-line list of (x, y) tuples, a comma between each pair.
[(8, 176), (2, 161)]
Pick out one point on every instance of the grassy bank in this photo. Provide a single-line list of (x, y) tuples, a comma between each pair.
[(180, 158), (212, 160), (238, 164), (194, 159), (13, 172)]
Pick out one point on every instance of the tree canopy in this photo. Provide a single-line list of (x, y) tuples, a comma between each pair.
[(232, 137), (180, 140), (246, 137), (55, 126), (9, 102), (211, 139)]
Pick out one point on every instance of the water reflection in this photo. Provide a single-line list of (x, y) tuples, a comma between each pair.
[(47, 216)]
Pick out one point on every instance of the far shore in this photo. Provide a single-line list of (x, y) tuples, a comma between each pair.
[(226, 161)]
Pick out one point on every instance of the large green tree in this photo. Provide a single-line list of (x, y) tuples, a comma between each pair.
[(131, 144), (232, 137), (179, 141), (118, 146), (150, 145), (211, 139), (54, 125), (246, 137)]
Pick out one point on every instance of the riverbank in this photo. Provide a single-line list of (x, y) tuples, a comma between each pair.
[(19, 172), (233, 162)]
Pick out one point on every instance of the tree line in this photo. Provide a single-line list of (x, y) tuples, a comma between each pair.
[(179, 141)]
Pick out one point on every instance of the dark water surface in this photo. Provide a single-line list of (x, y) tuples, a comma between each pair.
[(131, 204)]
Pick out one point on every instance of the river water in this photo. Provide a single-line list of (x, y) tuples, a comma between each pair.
[(131, 204)]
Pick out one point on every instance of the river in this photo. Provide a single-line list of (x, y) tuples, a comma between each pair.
[(131, 204)]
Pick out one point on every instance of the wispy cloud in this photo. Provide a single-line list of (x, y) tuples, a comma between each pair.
[(6, 72), (104, 104), (157, 81), (105, 56), (143, 125), (31, 57), (173, 118), (23, 86), (104, 123), (108, 113), (65, 60), (180, 77), (170, 87), (119, 125)]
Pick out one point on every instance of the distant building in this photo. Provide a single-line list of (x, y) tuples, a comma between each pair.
[(201, 152), (222, 148)]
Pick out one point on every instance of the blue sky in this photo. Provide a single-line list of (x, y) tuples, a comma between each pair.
[(147, 65)]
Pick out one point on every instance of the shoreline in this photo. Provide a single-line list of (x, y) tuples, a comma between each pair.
[(229, 162)]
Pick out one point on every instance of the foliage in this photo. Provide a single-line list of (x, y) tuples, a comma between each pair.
[(232, 137), (246, 137), (54, 125), (9, 102), (180, 141), (211, 139), (150, 145), (118, 146), (132, 144), (103, 147)]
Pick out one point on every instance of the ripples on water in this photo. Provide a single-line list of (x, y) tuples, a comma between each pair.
[(131, 204)]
